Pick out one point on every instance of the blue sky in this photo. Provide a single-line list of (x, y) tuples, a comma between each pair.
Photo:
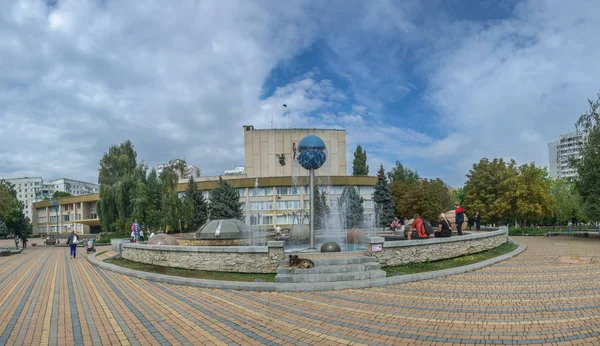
[(435, 84)]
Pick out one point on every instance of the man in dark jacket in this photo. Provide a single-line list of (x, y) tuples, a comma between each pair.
[(72, 241), (459, 218)]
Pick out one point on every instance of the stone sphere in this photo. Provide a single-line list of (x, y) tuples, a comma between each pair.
[(163, 239), (312, 154), (331, 247), (300, 232), (355, 235)]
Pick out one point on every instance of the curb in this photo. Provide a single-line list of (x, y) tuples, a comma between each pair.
[(303, 287)]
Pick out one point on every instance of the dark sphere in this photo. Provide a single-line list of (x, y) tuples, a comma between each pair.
[(330, 247), (312, 153)]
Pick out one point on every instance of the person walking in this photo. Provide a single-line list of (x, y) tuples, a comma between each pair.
[(478, 221), (17, 242), (24, 240), (72, 241), (459, 218)]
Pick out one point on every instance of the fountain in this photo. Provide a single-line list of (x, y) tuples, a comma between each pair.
[(312, 156), (223, 232)]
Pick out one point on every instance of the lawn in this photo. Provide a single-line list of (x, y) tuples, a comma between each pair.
[(414, 268), (188, 273)]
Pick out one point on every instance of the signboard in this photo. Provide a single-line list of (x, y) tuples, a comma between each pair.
[(376, 247)]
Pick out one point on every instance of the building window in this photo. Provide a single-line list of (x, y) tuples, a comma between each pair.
[(368, 204), (266, 205), (242, 192), (53, 218), (285, 205), (288, 190), (42, 229), (261, 191), (42, 219)]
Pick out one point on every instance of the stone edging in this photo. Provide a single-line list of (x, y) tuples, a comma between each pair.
[(281, 287)]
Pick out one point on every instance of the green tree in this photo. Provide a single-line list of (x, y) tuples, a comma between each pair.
[(321, 209), (118, 176), (7, 195), (170, 202), (490, 190), (153, 190), (196, 206), (568, 206), (359, 165), (225, 202), (400, 173), (350, 207), (587, 182), (11, 212), (428, 198), (532, 197), (60, 194), (3, 229), (140, 203), (458, 195), (385, 207)]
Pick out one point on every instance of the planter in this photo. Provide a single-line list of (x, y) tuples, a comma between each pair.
[(4, 252), (33, 244)]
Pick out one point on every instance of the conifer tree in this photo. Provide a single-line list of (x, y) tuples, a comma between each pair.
[(198, 205), (225, 202), (359, 165), (350, 207), (384, 204)]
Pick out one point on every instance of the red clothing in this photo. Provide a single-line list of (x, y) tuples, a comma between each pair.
[(459, 210), (417, 225)]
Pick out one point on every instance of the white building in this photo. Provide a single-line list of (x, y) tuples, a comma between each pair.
[(33, 189), (188, 171), (568, 145)]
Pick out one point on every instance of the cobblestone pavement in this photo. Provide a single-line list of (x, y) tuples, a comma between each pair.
[(540, 296)]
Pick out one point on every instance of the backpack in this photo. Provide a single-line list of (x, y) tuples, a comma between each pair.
[(428, 228)]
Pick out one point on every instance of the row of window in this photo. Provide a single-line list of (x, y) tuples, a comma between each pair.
[(292, 190)]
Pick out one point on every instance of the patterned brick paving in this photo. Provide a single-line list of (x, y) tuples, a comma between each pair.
[(46, 298)]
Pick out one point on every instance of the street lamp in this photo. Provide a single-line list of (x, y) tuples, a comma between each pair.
[(55, 204)]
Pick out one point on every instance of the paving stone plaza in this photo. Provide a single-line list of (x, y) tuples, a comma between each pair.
[(549, 294)]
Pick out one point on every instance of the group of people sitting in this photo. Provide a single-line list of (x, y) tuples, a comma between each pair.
[(421, 229)]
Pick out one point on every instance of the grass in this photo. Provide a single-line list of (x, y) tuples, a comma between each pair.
[(188, 273), (414, 268)]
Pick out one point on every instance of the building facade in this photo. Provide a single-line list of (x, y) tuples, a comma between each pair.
[(272, 153), (76, 213), (568, 145), (188, 170), (33, 189)]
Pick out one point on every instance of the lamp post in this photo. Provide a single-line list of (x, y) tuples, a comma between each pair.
[(55, 204), (312, 155)]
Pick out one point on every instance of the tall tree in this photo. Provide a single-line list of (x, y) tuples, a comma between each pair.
[(225, 202), (60, 194), (359, 165), (170, 202), (568, 206), (490, 190), (140, 203), (532, 196), (385, 207), (428, 198), (7, 195), (153, 190), (350, 207), (118, 176), (317, 209), (587, 166), (11, 211), (196, 204), (458, 195), (3, 229), (400, 173)]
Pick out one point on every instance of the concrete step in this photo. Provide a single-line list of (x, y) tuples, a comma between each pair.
[(326, 261), (329, 277), (338, 268)]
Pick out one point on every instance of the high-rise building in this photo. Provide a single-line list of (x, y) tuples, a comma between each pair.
[(567, 146), (33, 189), (188, 170)]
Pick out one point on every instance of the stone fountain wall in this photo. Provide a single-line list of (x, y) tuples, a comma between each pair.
[(212, 242), (239, 259), (420, 250)]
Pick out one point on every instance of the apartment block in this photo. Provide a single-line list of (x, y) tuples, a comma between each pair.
[(568, 145), (188, 171), (77, 213), (33, 189)]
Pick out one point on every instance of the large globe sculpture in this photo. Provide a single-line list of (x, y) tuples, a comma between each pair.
[(312, 153)]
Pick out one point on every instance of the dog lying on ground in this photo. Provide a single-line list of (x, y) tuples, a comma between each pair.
[(304, 263)]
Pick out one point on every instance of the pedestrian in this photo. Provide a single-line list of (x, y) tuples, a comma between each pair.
[(72, 241), (24, 240), (17, 241), (459, 217), (135, 228), (152, 235), (141, 235), (478, 221)]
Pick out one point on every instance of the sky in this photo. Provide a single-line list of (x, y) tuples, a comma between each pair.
[(435, 84)]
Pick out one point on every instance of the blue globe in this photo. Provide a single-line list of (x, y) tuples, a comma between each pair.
[(311, 152)]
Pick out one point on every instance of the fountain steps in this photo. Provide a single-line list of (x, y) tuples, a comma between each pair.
[(331, 269)]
